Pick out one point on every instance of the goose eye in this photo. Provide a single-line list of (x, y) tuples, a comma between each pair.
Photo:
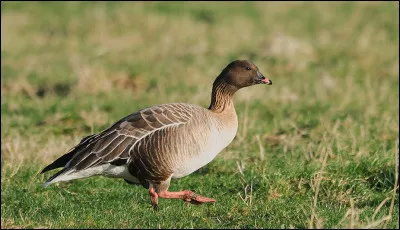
[(248, 68)]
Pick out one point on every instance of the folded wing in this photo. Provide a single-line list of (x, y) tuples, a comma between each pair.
[(114, 144)]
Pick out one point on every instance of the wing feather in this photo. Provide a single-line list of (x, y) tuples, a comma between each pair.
[(116, 143)]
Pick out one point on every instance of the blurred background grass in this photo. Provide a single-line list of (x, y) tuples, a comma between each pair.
[(315, 149)]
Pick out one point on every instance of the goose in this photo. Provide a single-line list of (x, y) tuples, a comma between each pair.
[(153, 145)]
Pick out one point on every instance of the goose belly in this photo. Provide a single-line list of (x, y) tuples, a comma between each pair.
[(216, 142)]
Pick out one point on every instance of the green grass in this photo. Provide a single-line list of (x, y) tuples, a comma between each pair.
[(317, 149)]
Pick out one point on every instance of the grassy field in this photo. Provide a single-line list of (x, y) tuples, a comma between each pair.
[(317, 149)]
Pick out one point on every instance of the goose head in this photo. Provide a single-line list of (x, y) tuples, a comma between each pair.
[(238, 74), (242, 73)]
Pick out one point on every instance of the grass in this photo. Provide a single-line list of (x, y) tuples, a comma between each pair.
[(317, 149)]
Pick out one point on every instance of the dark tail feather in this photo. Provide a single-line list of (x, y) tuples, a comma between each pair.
[(60, 162), (49, 181)]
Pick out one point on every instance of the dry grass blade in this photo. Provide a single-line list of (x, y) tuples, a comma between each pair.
[(379, 207), (317, 181), (261, 147), (317, 184), (396, 168), (375, 224)]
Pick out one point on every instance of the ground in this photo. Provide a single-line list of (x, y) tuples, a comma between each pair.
[(317, 149)]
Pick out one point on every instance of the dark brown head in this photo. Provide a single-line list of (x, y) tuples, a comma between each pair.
[(242, 73)]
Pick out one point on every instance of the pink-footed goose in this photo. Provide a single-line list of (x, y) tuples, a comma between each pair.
[(161, 142)]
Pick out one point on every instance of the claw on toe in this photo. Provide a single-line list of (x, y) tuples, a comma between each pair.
[(155, 207)]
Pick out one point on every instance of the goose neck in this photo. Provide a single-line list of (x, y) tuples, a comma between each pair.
[(221, 97)]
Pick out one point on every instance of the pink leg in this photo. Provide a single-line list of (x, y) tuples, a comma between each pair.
[(187, 196), (153, 198)]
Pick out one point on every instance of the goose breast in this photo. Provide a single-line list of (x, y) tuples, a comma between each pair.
[(211, 133)]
